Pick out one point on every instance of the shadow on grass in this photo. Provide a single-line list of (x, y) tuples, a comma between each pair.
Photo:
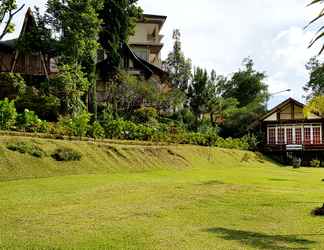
[(263, 241), (277, 179), (212, 182)]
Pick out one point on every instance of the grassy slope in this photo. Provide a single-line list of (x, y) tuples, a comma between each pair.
[(141, 197)]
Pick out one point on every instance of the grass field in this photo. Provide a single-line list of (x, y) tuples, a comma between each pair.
[(156, 197)]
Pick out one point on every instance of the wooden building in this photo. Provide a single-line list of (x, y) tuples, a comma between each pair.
[(289, 134), (26, 61)]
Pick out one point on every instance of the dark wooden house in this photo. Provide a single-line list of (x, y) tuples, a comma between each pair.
[(17, 59), (289, 134)]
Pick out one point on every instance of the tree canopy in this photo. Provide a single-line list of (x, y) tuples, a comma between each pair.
[(118, 23), (8, 9), (177, 65)]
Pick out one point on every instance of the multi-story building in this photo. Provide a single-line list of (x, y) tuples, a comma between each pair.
[(147, 40)]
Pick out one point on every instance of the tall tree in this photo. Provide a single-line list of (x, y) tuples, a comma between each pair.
[(198, 92), (8, 9), (78, 23), (315, 85), (247, 86), (320, 33), (177, 65), (118, 22)]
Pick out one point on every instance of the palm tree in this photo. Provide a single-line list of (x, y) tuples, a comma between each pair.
[(320, 32)]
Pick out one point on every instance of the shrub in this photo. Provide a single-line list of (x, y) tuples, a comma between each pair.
[(64, 126), (46, 107), (12, 84), (318, 211), (252, 141), (296, 162), (232, 143), (66, 154), (77, 125), (315, 163), (97, 131), (80, 123), (144, 115), (29, 121), (27, 148), (8, 114)]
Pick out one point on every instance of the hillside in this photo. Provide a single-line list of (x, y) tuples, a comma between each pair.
[(142, 196), (114, 157)]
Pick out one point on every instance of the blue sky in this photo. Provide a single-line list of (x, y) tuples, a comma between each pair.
[(218, 34)]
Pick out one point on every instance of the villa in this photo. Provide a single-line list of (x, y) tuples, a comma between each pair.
[(288, 134)]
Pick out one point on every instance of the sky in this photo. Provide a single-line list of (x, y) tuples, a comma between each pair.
[(219, 34)]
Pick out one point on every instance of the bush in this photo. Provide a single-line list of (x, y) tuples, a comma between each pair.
[(46, 107), (66, 154), (144, 115), (296, 162), (97, 131), (77, 125), (8, 114), (27, 148), (64, 126), (315, 163), (80, 123), (318, 211), (29, 121), (11, 85), (232, 143), (252, 141)]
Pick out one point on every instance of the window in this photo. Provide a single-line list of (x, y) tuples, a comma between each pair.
[(298, 136), (272, 136), (317, 135), (281, 136), (307, 135), (143, 53), (289, 132)]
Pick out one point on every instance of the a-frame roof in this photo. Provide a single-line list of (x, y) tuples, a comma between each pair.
[(282, 105)]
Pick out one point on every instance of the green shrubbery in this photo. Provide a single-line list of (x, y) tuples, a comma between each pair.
[(8, 114), (315, 163), (66, 154), (97, 131), (26, 148), (146, 128), (29, 121)]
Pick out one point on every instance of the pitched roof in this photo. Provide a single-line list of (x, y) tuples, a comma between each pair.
[(29, 21), (281, 105)]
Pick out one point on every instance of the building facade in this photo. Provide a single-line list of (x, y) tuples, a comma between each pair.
[(146, 43), (289, 134)]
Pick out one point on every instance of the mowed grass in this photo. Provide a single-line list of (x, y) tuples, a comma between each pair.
[(156, 197)]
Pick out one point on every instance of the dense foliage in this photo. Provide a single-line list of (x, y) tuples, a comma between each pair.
[(315, 85), (190, 108)]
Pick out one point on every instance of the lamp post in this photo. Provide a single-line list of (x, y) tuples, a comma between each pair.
[(276, 93), (279, 92)]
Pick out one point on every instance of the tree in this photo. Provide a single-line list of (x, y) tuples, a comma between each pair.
[(78, 23), (70, 85), (320, 33), (8, 9), (315, 85), (247, 86), (177, 65), (315, 105), (198, 92), (220, 109), (118, 22)]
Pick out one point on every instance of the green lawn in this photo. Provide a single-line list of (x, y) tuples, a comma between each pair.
[(197, 198)]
